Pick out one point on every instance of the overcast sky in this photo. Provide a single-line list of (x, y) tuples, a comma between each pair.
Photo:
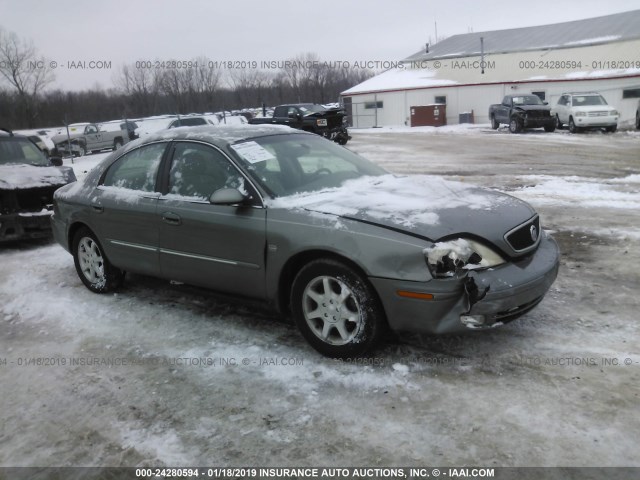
[(123, 31)]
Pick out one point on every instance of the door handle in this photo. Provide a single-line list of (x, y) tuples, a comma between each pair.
[(171, 218), (97, 208)]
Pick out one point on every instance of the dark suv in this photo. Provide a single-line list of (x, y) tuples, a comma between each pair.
[(27, 182)]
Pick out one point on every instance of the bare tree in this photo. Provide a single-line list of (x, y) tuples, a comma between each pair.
[(142, 84), (25, 71)]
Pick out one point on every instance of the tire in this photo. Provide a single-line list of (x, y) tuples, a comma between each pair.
[(342, 140), (559, 124), (572, 126), (92, 266), (515, 125), (550, 128), (494, 123), (117, 144), (82, 150), (611, 129), (336, 309), (637, 120)]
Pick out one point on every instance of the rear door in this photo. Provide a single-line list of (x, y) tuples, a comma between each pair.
[(215, 246), (124, 210)]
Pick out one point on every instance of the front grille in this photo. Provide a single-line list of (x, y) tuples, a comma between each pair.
[(538, 113), (521, 237), (334, 121), (513, 313), (35, 199), (598, 114)]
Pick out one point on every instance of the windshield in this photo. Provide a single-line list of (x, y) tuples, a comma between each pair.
[(289, 164), (20, 150), (582, 100), (527, 100)]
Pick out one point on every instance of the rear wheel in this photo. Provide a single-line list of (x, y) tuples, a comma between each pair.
[(117, 143), (494, 123), (92, 266), (336, 309), (559, 124), (82, 150)]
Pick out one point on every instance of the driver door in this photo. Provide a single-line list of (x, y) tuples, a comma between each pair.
[(215, 246)]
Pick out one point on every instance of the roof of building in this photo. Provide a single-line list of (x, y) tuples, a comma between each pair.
[(578, 33)]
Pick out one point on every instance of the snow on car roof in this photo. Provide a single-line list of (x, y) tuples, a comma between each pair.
[(216, 134)]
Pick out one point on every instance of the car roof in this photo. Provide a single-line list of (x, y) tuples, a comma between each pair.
[(219, 135)]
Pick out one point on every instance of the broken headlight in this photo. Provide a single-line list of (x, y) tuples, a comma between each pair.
[(446, 259)]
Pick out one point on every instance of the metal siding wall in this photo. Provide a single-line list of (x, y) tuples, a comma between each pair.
[(507, 66)]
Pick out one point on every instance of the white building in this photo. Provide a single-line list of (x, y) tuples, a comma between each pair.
[(598, 54)]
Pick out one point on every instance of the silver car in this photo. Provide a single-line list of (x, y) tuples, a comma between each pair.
[(347, 249)]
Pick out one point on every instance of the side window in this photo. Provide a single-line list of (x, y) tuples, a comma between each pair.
[(198, 170), (292, 110), (137, 170), (91, 129)]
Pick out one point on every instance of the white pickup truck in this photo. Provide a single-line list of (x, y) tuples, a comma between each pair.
[(89, 138)]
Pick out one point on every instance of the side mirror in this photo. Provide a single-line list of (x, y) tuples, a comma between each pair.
[(227, 196), (56, 161), (545, 103)]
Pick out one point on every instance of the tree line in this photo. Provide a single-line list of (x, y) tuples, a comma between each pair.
[(28, 101)]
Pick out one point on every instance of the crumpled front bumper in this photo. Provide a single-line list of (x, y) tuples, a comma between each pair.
[(25, 225), (514, 289)]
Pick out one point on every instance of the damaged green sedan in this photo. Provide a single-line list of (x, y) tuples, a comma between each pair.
[(347, 249)]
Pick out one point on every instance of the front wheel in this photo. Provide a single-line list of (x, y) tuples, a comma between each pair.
[(92, 266), (494, 123), (550, 128), (117, 144), (336, 309), (515, 125), (611, 129), (572, 126)]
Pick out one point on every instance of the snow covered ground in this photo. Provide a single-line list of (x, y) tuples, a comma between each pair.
[(163, 374)]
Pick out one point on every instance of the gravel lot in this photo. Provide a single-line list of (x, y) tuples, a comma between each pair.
[(200, 384)]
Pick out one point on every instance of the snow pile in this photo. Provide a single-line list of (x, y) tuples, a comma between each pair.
[(405, 200), (609, 193), (458, 129)]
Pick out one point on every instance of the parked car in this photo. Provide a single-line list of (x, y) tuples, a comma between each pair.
[(41, 139), (190, 122), (312, 228), (328, 122), (27, 182), (125, 125), (90, 138), (522, 111), (582, 111)]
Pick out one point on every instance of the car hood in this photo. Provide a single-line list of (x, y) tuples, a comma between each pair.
[(329, 112), (531, 108), (21, 176), (425, 206)]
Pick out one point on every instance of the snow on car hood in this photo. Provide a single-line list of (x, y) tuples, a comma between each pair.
[(19, 176), (425, 205)]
